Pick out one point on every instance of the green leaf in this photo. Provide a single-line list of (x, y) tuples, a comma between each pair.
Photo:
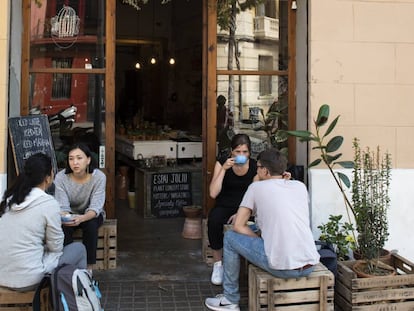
[(346, 164), (330, 158), (334, 144), (281, 136), (331, 126), (344, 179), (303, 139), (301, 134), (314, 163), (323, 115)]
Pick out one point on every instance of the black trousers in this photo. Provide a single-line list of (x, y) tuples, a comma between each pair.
[(217, 218), (89, 236)]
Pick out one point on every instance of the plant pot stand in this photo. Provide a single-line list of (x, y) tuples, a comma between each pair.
[(394, 292)]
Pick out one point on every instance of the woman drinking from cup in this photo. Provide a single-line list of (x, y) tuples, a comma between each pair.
[(232, 175)]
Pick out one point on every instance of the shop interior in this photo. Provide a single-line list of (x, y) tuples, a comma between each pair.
[(158, 66), (158, 87)]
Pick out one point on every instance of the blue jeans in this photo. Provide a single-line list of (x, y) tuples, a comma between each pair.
[(251, 248)]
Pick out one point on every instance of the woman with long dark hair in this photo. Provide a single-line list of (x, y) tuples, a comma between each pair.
[(80, 190), (31, 231), (233, 173)]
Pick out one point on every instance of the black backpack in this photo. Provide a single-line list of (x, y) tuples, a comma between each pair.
[(328, 256), (71, 289)]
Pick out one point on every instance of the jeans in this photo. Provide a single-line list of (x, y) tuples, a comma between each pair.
[(74, 254), (251, 248)]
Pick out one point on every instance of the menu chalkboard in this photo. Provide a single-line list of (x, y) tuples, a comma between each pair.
[(169, 193), (30, 135)]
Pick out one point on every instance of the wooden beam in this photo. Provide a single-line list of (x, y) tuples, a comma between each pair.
[(291, 80), (110, 108), (209, 98)]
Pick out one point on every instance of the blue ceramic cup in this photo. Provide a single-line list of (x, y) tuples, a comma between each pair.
[(240, 159)]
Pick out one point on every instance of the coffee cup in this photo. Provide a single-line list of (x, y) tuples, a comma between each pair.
[(240, 159), (66, 217)]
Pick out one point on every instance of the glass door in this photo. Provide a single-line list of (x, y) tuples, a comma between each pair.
[(251, 88)]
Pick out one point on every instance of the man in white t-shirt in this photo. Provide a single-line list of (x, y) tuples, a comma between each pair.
[(285, 247)]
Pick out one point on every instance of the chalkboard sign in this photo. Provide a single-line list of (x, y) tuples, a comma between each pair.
[(169, 193), (30, 135)]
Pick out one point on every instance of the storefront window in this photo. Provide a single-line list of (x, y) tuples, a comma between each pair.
[(252, 75), (264, 121), (66, 70)]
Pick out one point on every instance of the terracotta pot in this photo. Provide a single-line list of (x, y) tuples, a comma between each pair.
[(192, 211), (385, 256), (383, 269), (122, 183)]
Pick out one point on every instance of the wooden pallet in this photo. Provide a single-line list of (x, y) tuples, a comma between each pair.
[(205, 244), (380, 293), (11, 300), (312, 293), (107, 245)]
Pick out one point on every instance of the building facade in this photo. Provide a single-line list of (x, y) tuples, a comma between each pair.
[(351, 54)]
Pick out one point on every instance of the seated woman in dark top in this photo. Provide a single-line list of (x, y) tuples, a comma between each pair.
[(232, 175)]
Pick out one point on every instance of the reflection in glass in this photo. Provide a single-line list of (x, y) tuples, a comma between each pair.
[(74, 105), (67, 40), (254, 39), (67, 29), (262, 122)]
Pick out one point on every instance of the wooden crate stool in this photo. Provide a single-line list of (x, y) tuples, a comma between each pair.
[(312, 293), (107, 245), (11, 300)]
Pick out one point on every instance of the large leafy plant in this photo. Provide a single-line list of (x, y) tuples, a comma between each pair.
[(274, 124), (328, 147), (370, 187)]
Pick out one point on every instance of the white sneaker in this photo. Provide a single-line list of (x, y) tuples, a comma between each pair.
[(219, 303), (217, 275)]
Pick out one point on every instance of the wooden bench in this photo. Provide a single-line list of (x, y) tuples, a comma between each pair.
[(312, 293), (107, 245), (11, 300)]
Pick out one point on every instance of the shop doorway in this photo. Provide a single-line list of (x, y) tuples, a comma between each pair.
[(159, 65), (158, 97)]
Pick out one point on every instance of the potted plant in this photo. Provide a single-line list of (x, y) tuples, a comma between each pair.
[(371, 200), (370, 191), (392, 292), (329, 155), (339, 234)]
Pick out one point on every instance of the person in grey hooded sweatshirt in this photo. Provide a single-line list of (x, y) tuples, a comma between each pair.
[(31, 230)]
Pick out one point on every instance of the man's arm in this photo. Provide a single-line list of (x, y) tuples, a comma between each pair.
[(240, 224)]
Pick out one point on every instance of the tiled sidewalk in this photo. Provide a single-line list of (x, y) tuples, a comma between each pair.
[(160, 296)]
